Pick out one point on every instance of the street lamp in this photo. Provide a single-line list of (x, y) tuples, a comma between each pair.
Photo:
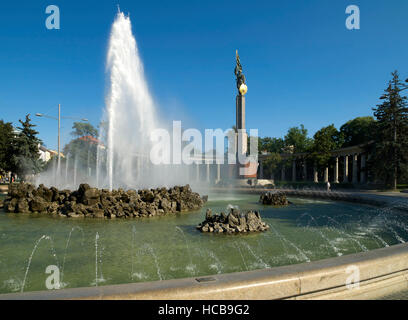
[(59, 126)]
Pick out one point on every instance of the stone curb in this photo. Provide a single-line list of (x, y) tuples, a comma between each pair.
[(379, 270)]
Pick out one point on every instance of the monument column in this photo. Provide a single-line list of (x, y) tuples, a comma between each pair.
[(240, 112), (242, 139), (315, 174), (345, 176), (326, 174), (355, 169), (336, 170), (304, 170), (294, 170), (363, 169)]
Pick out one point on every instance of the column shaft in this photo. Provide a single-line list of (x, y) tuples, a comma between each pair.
[(315, 174), (355, 168), (336, 170), (304, 170), (345, 176), (363, 169)]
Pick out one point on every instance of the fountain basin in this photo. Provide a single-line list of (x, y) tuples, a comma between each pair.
[(169, 248), (382, 272)]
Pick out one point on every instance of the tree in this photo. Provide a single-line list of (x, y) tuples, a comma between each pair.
[(271, 163), (6, 141), (84, 129), (270, 145), (83, 151), (297, 139), (325, 140), (390, 154), (24, 151), (358, 131)]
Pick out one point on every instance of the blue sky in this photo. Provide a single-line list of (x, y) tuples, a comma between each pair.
[(301, 63)]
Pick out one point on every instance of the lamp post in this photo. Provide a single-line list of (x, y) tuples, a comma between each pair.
[(59, 127)]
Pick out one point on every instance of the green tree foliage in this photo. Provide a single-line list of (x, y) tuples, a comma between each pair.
[(6, 141), (325, 140), (271, 164), (82, 149), (297, 139), (390, 154), (270, 145), (84, 129), (358, 131), (24, 151)]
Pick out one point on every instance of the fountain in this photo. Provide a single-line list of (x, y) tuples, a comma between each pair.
[(166, 246), (129, 118), (130, 108), (92, 202)]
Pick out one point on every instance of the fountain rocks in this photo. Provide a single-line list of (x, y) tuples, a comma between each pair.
[(234, 222), (97, 203), (275, 198)]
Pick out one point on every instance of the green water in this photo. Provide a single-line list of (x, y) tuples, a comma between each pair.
[(91, 252)]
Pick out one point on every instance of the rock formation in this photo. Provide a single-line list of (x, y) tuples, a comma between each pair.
[(234, 222), (275, 198), (100, 203)]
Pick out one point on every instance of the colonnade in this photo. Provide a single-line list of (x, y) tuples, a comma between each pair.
[(353, 168), (208, 169)]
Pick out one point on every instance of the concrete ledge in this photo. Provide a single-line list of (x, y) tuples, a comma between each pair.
[(382, 271)]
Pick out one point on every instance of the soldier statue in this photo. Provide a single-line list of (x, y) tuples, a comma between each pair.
[(239, 75)]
